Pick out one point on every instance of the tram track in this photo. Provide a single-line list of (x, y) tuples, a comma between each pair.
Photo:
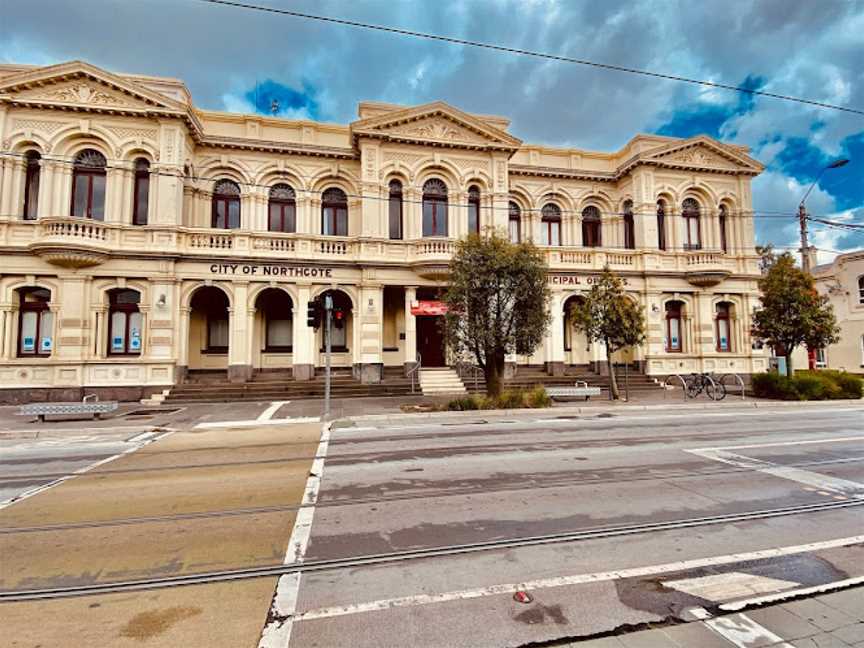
[(203, 578)]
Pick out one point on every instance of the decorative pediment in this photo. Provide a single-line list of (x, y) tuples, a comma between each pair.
[(82, 86), (436, 123), (705, 154)]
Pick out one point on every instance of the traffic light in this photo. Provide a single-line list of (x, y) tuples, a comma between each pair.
[(313, 314), (338, 318)]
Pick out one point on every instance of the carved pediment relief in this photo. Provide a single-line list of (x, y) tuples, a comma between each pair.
[(699, 156), (80, 91), (435, 128), (704, 153)]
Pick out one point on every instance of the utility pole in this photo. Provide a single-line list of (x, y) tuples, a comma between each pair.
[(805, 246), (328, 320)]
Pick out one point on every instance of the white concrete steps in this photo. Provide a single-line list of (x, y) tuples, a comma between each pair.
[(435, 381)]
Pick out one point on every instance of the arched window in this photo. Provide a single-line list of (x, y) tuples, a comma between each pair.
[(591, 235), (724, 330), (434, 208), (690, 212), (334, 212), (31, 185), (88, 185), (629, 226), (474, 210), (395, 210), (861, 289), (226, 205), (550, 224), (674, 342), (514, 218), (210, 304), (124, 322), (661, 225), (282, 206), (141, 197), (35, 323), (722, 220)]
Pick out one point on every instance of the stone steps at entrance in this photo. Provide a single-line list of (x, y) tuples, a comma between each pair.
[(440, 380)]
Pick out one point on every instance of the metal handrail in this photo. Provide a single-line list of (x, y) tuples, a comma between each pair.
[(413, 370), (473, 368), (683, 385), (737, 377)]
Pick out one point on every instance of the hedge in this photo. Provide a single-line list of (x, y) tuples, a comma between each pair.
[(511, 399), (808, 385)]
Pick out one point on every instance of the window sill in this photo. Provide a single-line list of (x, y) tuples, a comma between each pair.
[(278, 350), (214, 351), (334, 350)]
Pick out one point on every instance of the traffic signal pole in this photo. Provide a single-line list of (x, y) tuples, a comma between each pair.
[(328, 320)]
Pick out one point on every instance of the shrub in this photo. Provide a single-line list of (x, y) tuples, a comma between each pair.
[(510, 399), (538, 397), (808, 385)]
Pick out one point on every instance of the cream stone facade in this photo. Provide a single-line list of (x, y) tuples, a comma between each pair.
[(138, 243)]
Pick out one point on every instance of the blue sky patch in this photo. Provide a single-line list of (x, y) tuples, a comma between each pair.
[(288, 99)]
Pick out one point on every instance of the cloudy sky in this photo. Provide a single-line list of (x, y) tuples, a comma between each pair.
[(806, 48)]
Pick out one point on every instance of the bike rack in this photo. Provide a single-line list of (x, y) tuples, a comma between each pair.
[(683, 385), (413, 370), (738, 378), (713, 384)]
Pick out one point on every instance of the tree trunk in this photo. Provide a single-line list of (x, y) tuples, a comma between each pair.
[(789, 371), (494, 372), (613, 383)]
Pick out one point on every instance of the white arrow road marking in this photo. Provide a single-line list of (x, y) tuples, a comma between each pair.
[(267, 414)]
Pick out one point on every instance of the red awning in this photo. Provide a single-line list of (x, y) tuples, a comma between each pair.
[(428, 308)]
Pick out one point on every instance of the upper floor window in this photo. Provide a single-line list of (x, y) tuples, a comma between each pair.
[(88, 185), (395, 210), (35, 322), (629, 226), (31, 185), (282, 209), (723, 332), (692, 227), (514, 218), (861, 289), (434, 208), (673, 341), (661, 225), (334, 212), (550, 224), (141, 197), (722, 221), (474, 210), (591, 235), (226, 205), (124, 322)]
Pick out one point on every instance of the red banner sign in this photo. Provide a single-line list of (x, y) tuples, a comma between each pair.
[(428, 308)]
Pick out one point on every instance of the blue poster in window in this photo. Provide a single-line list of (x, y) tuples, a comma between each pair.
[(117, 343), (674, 342), (46, 344), (135, 340), (724, 344), (29, 344)]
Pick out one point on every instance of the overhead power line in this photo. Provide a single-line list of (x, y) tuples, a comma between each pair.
[(524, 52)]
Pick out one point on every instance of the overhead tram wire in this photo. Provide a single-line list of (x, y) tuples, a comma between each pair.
[(286, 177), (535, 54)]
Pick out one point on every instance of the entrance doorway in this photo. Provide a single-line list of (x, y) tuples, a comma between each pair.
[(430, 340)]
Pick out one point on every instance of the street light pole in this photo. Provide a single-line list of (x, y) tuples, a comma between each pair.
[(802, 215)]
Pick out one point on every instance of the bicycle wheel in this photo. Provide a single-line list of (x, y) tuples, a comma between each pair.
[(716, 391), (693, 388)]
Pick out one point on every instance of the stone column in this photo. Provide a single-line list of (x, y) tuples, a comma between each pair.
[(115, 180), (240, 327), (412, 216), (369, 320), (6, 316), (12, 196), (303, 340), (100, 331), (70, 341), (554, 342), (410, 329), (182, 366)]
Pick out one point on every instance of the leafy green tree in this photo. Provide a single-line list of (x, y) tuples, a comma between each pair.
[(792, 313), (498, 302), (608, 315)]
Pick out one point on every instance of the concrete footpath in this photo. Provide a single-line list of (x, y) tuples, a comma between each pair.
[(834, 620)]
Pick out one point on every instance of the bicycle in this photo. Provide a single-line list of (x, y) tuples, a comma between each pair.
[(713, 388)]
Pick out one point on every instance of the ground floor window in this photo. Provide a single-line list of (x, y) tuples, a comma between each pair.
[(217, 333), (125, 322), (673, 343), (821, 358), (35, 323), (724, 342)]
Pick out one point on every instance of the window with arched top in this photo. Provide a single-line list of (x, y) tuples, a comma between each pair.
[(35, 323), (629, 226), (550, 224), (591, 234), (692, 226), (394, 206), (723, 330), (334, 212), (141, 193), (474, 210), (32, 160), (125, 322), (514, 218), (674, 342), (226, 205), (88, 185), (722, 217), (281, 209), (434, 208), (661, 225)]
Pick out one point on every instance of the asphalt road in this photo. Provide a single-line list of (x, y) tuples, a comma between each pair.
[(608, 521)]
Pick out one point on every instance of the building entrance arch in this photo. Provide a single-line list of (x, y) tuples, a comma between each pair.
[(577, 348)]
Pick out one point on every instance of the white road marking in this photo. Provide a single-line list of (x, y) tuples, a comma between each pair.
[(268, 413), (742, 631), (802, 591), (786, 443), (728, 586), (277, 633), (43, 487), (256, 423), (577, 579)]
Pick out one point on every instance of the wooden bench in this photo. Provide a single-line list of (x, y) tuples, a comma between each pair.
[(89, 405), (579, 390)]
